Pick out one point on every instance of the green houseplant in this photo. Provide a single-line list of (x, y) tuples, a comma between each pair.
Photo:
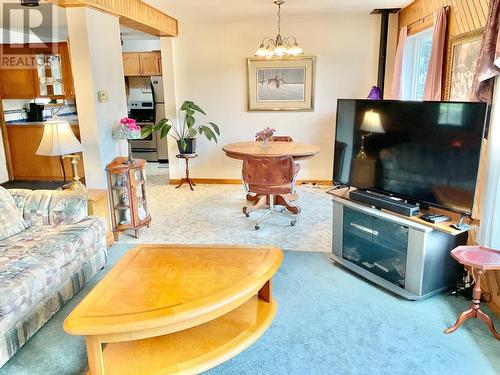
[(186, 131)]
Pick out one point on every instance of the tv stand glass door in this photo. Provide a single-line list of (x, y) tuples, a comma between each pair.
[(377, 245)]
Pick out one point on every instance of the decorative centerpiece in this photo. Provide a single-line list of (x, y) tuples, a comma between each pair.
[(186, 130), (128, 129), (265, 135)]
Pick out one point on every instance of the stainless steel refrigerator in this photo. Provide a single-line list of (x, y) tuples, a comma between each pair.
[(159, 103)]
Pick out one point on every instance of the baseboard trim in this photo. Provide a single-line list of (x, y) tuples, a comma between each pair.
[(229, 181)]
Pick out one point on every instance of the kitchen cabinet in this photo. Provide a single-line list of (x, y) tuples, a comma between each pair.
[(131, 64), (26, 165), (150, 63), (142, 63), (49, 74), (18, 83)]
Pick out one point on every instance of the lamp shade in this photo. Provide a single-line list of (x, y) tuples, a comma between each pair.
[(58, 139), (371, 122)]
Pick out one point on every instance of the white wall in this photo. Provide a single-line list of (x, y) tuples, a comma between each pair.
[(210, 68), (96, 57), (140, 45), (489, 233)]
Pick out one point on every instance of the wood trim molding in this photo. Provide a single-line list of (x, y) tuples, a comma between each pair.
[(6, 144), (135, 14), (229, 181)]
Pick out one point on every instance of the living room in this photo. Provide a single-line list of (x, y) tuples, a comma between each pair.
[(335, 214)]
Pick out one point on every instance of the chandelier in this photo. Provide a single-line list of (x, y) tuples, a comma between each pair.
[(281, 46)]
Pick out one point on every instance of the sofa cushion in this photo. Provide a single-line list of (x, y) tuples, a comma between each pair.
[(33, 262), (36, 207), (11, 222), (20, 196), (68, 207)]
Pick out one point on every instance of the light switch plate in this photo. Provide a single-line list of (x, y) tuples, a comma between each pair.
[(102, 96)]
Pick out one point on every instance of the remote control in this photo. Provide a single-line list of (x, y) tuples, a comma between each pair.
[(440, 219), (429, 217)]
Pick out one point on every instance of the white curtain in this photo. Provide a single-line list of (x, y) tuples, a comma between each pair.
[(398, 64), (489, 231)]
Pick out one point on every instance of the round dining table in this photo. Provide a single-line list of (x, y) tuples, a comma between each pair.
[(298, 151)]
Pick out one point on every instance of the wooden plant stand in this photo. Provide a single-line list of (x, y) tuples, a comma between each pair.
[(188, 180)]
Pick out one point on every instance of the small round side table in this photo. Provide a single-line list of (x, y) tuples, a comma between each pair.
[(479, 260), (186, 157)]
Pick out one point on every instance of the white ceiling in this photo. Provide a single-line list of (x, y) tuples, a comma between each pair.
[(186, 10), (205, 10)]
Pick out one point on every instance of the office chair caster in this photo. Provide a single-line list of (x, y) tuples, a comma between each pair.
[(293, 222), (257, 227), (247, 214)]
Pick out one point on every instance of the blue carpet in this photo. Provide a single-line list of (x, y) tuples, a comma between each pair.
[(329, 321)]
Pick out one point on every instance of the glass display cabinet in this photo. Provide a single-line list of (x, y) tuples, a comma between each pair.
[(127, 195), (50, 75)]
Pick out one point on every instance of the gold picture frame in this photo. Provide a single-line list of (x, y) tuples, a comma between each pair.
[(285, 84), (463, 53)]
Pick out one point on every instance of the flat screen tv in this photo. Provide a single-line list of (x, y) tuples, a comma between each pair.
[(425, 152)]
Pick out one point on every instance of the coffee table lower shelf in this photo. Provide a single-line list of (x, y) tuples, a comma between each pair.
[(193, 350)]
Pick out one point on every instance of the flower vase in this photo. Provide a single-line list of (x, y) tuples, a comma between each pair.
[(264, 143)]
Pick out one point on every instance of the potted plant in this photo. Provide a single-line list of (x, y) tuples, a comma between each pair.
[(265, 135), (185, 132)]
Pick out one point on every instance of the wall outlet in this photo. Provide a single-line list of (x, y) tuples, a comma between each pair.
[(102, 96)]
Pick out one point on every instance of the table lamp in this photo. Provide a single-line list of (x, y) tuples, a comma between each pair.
[(371, 124), (59, 140), (129, 130)]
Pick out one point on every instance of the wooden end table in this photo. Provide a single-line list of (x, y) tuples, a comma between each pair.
[(98, 205), (166, 309), (479, 260), (186, 157)]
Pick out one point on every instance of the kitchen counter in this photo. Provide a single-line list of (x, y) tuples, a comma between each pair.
[(72, 121)]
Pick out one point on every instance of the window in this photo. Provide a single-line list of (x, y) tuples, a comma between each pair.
[(417, 52)]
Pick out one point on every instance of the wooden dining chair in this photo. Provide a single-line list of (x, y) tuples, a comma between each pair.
[(268, 177)]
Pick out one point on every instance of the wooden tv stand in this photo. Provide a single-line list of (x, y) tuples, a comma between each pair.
[(406, 255)]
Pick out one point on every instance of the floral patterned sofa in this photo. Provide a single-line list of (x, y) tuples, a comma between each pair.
[(49, 248)]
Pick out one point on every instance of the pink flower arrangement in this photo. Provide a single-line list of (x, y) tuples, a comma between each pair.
[(266, 133), (130, 123)]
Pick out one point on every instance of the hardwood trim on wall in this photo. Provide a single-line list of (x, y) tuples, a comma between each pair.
[(234, 181), (464, 15), (5, 141), (135, 14)]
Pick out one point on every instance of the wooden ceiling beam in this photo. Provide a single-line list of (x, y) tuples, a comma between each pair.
[(135, 14)]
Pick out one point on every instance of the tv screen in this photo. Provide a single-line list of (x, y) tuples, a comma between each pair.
[(426, 152)]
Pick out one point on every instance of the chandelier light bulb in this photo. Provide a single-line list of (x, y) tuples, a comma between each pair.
[(262, 51), (295, 50), (280, 51)]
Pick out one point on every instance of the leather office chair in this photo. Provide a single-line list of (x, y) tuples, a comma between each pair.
[(269, 176), (277, 138)]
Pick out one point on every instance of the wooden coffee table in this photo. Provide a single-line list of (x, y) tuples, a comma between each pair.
[(177, 309)]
